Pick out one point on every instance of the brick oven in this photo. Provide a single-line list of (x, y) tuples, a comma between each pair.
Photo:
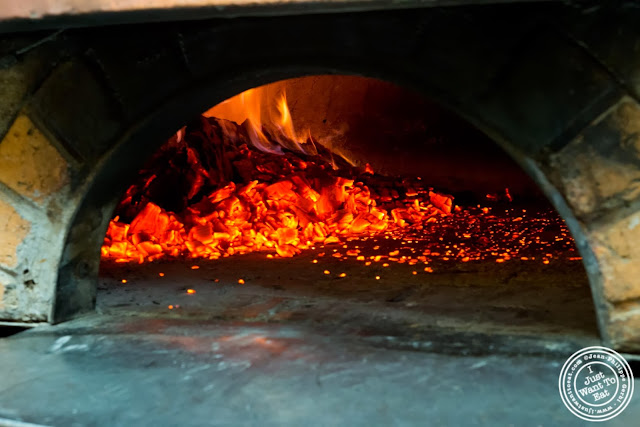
[(543, 95), (551, 83)]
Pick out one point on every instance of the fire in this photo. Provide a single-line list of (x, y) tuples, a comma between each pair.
[(283, 202), (218, 188), (262, 198), (269, 125)]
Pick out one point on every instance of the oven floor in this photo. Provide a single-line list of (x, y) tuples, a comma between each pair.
[(469, 344), (147, 371), (516, 306)]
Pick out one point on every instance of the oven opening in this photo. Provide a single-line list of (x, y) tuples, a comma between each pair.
[(346, 206)]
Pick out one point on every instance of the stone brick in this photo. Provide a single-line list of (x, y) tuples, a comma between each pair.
[(618, 49), (627, 119), (13, 230), (20, 303), (600, 169), (29, 164), (13, 88), (547, 93), (142, 67), (9, 299), (624, 327), (17, 80), (617, 247), (76, 107)]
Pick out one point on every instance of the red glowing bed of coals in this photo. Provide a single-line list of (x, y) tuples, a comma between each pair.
[(215, 189)]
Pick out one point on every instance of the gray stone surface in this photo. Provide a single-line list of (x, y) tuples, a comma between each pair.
[(151, 372), (291, 347), (460, 308)]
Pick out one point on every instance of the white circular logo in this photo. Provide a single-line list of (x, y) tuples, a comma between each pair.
[(596, 383)]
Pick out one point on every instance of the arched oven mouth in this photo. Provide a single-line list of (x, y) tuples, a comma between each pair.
[(350, 206)]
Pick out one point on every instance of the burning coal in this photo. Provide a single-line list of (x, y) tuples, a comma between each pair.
[(217, 189), (237, 199)]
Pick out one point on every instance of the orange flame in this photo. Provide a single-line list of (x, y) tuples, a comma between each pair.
[(255, 109)]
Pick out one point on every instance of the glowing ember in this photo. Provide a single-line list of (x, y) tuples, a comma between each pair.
[(217, 189), (257, 201)]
